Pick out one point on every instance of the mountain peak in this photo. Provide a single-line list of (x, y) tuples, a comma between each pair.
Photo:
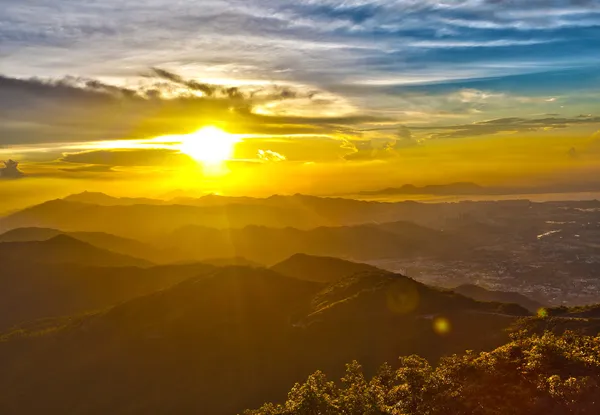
[(320, 268)]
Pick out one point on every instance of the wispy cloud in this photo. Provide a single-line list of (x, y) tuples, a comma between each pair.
[(508, 125)]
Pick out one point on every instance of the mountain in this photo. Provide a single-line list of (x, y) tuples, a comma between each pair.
[(147, 221), (460, 188), (235, 261), (31, 291), (184, 349), (102, 240), (29, 234), (319, 269), (97, 198), (143, 221), (481, 294), (271, 245), (65, 249)]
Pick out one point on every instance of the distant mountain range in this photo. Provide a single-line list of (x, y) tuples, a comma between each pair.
[(468, 188), (263, 245), (270, 245), (438, 189), (145, 219)]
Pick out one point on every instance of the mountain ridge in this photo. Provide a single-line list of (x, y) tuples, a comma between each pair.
[(222, 330), (65, 249)]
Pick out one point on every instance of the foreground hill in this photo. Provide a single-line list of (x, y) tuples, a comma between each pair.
[(535, 375), (65, 249), (481, 294), (253, 331), (30, 291), (319, 269)]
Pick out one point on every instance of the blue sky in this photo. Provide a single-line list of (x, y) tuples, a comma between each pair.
[(321, 43)]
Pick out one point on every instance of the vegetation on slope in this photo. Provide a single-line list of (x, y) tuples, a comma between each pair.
[(545, 375)]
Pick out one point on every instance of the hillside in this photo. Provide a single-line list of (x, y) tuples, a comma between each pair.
[(234, 261), (97, 198), (481, 294), (184, 349), (101, 240), (29, 234), (65, 249), (269, 245), (319, 269), (31, 291), (141, 221), (531, 375)]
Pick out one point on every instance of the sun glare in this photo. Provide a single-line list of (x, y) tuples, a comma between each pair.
[(209, 145)]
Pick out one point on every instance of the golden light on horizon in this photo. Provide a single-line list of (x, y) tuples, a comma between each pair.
[(209, 145)]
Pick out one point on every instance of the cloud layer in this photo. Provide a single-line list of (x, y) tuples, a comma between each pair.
[(85, 85)]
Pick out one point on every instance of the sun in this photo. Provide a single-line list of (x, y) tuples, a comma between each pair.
[(210, 145)]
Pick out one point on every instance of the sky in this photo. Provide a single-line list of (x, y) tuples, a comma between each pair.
[(321, 97)]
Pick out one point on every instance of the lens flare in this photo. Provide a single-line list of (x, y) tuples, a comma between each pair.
[(441, 326)]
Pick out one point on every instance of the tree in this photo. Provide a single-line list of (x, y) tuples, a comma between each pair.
[(545, 375)]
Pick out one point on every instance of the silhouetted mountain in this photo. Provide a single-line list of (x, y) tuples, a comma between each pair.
[(141, 221), (102, 240), (235, 261), (318, 268), (97, 198), (436, 189), (481, 294), (29, 234), (65, 249), (30, 290), (249, 330), (144, 221), (271, 245)]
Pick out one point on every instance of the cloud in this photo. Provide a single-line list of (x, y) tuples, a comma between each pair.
[(37, 111), (11, 170), (270, 156), (303, 42), (125, 158), (88, 169), (381, 147), (506, 125)]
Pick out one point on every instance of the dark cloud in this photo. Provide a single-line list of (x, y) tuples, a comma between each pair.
[(100, 159), (10, 170), (33, 111), (405, 138), (89, 169), (507, 125)]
